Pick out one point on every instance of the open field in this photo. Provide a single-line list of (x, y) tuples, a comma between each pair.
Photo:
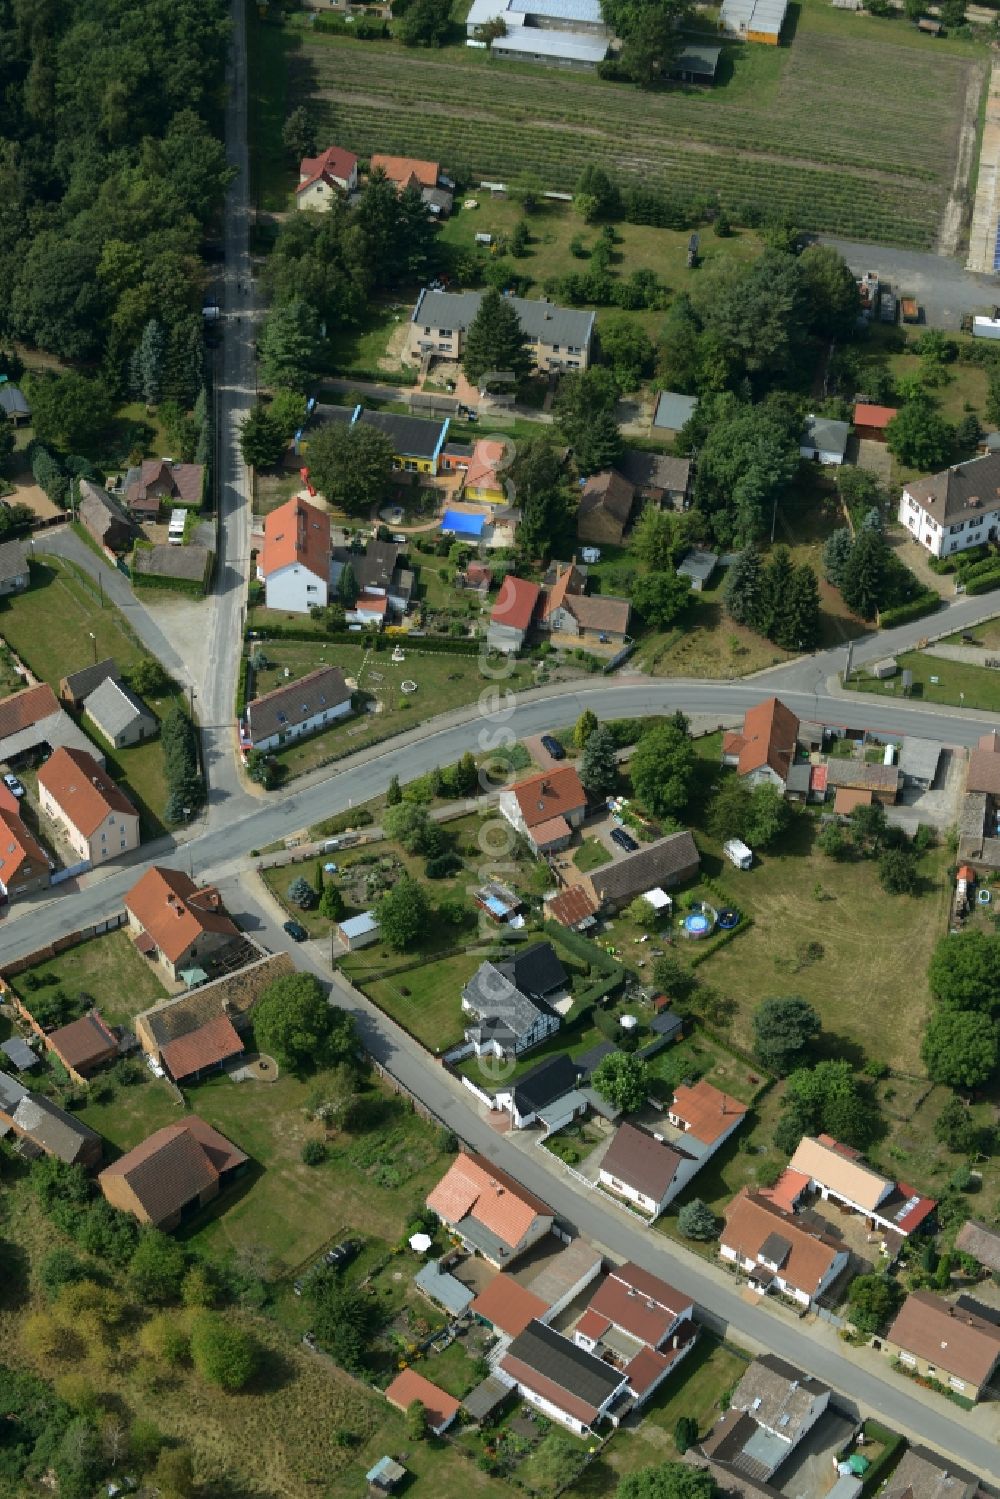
[(936, 680), (119, 979), (443, 682), (870, 1003), (779, 130)]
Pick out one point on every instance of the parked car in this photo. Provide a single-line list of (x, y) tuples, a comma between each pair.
[(553, 747), (624, 840), (13, 784), (296, 931), (342, 1254)]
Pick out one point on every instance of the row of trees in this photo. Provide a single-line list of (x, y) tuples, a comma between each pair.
[(775, 598), (961, 1041)]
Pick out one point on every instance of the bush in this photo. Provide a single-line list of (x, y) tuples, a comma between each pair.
[(696, 1220), (925, 603), (984, 583), (223, 1353), (442, 866), (313, 1153)]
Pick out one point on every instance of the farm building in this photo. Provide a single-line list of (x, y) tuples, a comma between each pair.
[(557, 33), (753, 20)]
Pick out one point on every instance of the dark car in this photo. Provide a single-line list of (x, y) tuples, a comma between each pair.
[(296, 931), (553, 747), (341, 1254), (623, 840)]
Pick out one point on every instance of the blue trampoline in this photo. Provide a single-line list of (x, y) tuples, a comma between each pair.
[(461, 524)]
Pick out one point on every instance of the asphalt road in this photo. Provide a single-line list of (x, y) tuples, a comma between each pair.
[(248, 822), (860, 1376)]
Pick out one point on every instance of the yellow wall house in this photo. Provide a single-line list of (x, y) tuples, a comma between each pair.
[(754, 20)]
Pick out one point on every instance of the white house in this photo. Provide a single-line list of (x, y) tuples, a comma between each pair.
[(776, 1252), (490, 1212), (955, 509), (507, 1020), (561, 1379), (313, 702), (294, 564), (649, 1170), (548, 1094), (546, 807), (824, 441)]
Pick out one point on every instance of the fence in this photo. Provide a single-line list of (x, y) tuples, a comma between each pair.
[(9, 997), (61, 944), (71, 873), (419, 1107)]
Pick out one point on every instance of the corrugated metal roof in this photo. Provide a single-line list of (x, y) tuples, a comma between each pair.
[(572, 45)]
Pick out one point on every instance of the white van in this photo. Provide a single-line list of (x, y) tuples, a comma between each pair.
[(175, 530), (737, 853)]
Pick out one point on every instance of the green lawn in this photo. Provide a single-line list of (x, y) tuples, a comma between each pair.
[(361, 348), (371, 1182), (591, 855), (936, 680), (443, 682), (426, 1000), (779, 129), (278, 881), (797, 895), (50, 625), (120, 980)]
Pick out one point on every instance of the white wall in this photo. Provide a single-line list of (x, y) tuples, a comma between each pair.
[(296, 589), (299, 731)]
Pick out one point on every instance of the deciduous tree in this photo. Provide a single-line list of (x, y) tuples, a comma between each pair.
[(402, 914), (660, 598), (295, 1022), (351, 466), (960, 1048), (662, 768), (623, 1079), (223, 1352), (784, 1028)]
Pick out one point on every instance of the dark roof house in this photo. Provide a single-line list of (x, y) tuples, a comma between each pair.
[(101, 515), (605, 508), (667, 861), (301, 703), (536, 970), (543, 1362), (172, 1172), (80, 684)]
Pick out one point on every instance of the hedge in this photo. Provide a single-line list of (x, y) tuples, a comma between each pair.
[(984, 583), (242, 686), (925, 603), (367, 638), (402, 376)]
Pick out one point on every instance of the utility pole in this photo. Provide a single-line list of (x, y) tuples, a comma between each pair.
[(850, 653)]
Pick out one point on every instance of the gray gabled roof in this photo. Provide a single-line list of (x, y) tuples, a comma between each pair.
[(495, 1001), (673, 410), (13, 558), (11, 1093), (555, 1358), (45, 1124), (540, 320), (13, 401), (114, 707), (825, 435)]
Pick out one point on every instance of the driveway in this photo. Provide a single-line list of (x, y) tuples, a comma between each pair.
[(944, 289)]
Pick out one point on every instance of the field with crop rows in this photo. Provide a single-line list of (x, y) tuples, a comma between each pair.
[(840, 133)]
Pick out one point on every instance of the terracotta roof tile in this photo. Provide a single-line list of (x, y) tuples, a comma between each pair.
[(768, 738), (551, 793), (22, 857), (516, 601), (211, 1043), (333, 163), (174, 1165), (82, 790), (27, 707), (751, 1220), (169, 906), (639, 1303), (409, 1386), (706, 1110), (509, 1305), (297, 533), (473, 1186), (83, 1041), (402, 169)]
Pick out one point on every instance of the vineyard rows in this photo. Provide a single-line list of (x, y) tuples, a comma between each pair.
[(850, 139)]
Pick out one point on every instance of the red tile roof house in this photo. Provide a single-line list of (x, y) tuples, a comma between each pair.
[(95, 814), (172, 1173), (546, 808), (175, 922), (323, 178), (24, 865), (294, 563), (640, 1324), (488, 1210), (838, 1174), (764, 750), (776, 1252), (955, 1342), (567, 609), (512, 614), (406, 171), (441, 1408)]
